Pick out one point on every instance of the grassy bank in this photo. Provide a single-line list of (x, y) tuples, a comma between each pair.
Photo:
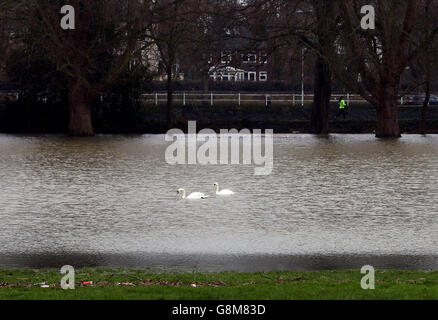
[(139, 284), (361, 118)]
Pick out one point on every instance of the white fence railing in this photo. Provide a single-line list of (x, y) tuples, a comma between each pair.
[(212, 98)]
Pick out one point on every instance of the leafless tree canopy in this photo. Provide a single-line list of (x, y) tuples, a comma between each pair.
[(112, 34)]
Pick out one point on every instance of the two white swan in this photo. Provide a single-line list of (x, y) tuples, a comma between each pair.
[(200, 195)]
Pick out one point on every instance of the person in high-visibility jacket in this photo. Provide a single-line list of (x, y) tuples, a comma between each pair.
[(342, 106)]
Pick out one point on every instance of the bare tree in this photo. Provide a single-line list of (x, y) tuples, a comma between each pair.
[(8, 26), (374, 60), (323, 44), (172, 23), (210, 38), (93, 55), (312, 25), (368, 62), (427, 58)]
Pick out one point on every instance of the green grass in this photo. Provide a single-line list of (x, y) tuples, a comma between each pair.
[(133, 284)]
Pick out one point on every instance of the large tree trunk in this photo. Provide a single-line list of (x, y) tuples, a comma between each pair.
[(169, 97), (205, 87), (325, 32), (424, 109), (387, 112), (427, 67), (321, 100), (205, 82), (80, 111)]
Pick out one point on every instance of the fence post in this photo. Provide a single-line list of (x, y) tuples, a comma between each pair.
[(156, 99), (293, 99), (266, 100), (184, 98), (348, 99), (211, 99), (239, 99)]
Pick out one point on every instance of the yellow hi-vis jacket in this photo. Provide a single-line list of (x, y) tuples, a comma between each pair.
[(342, 104)]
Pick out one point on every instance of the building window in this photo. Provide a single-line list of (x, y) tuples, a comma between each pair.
[(226, 57), (263, 58), (249, 58), (240, 76), (263, 76), (252, 76)]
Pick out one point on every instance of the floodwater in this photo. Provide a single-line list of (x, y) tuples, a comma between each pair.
[(330, 203)]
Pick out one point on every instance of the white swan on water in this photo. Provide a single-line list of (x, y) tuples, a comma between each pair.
[(194, 195), (224, 192)]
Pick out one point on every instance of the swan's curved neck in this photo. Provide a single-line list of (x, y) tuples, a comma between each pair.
[(217, 189)]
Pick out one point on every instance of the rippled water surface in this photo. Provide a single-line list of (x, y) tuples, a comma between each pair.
[(337, 202)]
